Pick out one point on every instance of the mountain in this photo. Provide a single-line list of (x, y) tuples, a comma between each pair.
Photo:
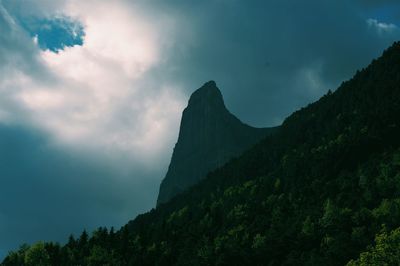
[(323, 190), (209, 136)]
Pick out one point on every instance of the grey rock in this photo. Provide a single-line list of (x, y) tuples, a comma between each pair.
[(209, 137)]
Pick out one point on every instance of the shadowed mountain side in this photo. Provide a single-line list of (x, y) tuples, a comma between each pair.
[(209, 136)]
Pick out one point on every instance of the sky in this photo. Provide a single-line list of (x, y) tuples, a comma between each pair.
[(91, 92)]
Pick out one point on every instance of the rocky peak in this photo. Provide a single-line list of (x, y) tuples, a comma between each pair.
[(207, 96), (209, 136)]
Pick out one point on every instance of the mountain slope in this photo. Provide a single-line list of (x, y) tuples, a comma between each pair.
[(315, 193), (209, 136)]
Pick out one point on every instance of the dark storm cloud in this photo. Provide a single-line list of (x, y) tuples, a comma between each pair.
[(272, 57), (46, 192)]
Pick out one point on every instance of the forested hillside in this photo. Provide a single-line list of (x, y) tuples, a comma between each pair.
[(323, 190)]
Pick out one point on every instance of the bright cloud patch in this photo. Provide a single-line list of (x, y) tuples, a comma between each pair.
[(381, 27), (56, 33), (94, 89)]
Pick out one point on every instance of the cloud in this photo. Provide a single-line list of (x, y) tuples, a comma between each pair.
[(256, 51), (381, 27), (90, 82)]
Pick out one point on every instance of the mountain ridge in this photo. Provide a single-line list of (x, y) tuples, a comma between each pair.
[(209, 136)]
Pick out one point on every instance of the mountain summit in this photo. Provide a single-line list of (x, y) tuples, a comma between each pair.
[(209, 136)]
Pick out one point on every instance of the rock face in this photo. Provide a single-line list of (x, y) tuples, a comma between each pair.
[(209, 136)]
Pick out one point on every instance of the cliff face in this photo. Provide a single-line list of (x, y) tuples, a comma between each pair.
[(209, 136)]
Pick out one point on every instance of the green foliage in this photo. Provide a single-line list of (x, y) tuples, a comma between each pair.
[(318, 192), (37, 255), (386, 251), (259, 242)]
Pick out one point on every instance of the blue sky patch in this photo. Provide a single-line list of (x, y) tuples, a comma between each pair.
[(55, 34)]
